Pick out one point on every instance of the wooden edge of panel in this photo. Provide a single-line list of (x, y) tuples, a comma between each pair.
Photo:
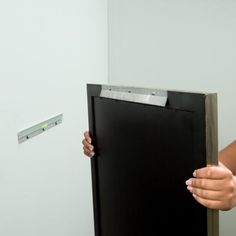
[(212, 154)]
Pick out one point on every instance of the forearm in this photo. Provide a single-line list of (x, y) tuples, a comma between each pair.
[(227, 156)]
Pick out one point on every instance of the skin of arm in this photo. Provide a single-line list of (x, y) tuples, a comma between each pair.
[(215, 186)]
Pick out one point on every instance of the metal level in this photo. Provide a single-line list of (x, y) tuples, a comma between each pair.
[(39, 128)]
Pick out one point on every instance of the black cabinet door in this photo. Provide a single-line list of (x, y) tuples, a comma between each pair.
[(144, 155)]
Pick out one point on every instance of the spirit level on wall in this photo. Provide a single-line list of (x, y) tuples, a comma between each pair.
[(39, 128)]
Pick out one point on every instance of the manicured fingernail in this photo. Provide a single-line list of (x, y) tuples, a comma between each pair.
[(190, 188), (194, 195), (194, 174), (92, 154), (188, 182)]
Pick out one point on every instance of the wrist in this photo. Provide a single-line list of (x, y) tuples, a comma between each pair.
[(234, 192)]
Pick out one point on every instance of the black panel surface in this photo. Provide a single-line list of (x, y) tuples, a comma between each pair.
[(144, 155)]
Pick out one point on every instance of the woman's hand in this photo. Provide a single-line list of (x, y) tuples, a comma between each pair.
[(88, 147), (214, 187)]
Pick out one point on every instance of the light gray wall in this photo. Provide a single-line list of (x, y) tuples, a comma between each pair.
[(184, 45), (49, 50)]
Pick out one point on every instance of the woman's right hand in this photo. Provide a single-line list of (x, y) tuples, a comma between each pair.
[(214, 187), (88, 147)]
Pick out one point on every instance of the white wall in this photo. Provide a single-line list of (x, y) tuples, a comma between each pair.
[(184, 45), (49, 50)]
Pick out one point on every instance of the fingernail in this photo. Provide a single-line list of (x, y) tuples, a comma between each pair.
[(189, 182), (91, 148), (190, 188), (194, 195), (92, 154), (194, 174)]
